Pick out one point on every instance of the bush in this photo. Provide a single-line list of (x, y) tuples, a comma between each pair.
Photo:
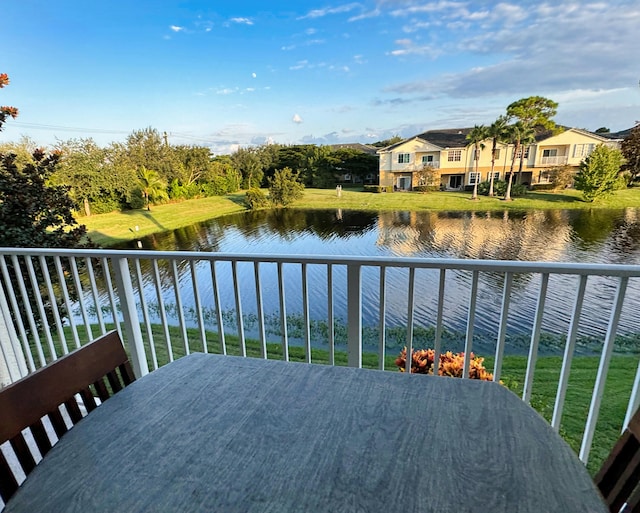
[(255, 198), (543, 187), (500, 188), (284, 187), (426, 188), (450, 364), (378, 188), (561, 177)]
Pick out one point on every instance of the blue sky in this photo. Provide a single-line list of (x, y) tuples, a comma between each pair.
[(229, 74)]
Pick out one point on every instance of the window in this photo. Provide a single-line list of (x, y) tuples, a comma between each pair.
[(476, 154), (496, 154), (583, 150), (403, 158), (427, 159), (496, 176), (474, 178), (553, 152), (454, 155), (526, 152)]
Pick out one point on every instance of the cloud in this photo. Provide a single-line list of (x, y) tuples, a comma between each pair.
[(242, 21), (319, 13), (253, 75), (296, 119), (365, 15), (176, 28), (525, 50), (226, 90), (300, 65), (408, 47)]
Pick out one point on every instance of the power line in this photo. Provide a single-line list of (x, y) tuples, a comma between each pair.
[(40, 126)]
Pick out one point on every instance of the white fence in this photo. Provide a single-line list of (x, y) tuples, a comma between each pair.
[(167, 304)]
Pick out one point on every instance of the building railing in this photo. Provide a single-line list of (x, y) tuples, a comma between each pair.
[(168, 304), (559, 160)]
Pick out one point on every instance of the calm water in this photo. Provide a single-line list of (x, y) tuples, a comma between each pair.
[(597, 236)]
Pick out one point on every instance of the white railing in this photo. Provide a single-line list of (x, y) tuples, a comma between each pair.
[(168, 304), (559, 160)]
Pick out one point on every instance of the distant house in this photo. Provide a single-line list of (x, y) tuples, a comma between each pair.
[(447, 152)]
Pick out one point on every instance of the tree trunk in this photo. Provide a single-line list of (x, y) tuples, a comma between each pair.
[(87, 207), (493, 165)]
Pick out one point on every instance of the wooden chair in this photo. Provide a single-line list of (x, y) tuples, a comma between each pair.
[(619, 477), (24, 403)]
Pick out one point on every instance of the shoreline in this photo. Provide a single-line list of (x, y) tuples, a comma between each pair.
[(121, 226)]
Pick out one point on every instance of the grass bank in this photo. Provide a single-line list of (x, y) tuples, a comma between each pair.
[(107, 229)]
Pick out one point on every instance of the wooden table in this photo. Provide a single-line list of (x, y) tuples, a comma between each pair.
[(214, 433)]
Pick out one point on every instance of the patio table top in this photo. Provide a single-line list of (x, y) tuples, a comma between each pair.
[(213, 433)]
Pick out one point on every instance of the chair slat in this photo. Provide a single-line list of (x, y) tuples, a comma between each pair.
[(101, 389), (619, 477), (126, 371), (8, 482), (114, 381), (88, 399), (58, 423), (40, 436), (73, 410), (20, 447)]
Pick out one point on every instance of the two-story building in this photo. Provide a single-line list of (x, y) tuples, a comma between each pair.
[(449, 154)]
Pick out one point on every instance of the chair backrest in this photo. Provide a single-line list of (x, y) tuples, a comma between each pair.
[(619, 477), (26, 402)]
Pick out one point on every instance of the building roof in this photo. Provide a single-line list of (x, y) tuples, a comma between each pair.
[(457, 137), (365, 148)]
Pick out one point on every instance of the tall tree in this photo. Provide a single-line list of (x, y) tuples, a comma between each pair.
[(515, 133), (497, 132), (249, 163), (475, 138), (598, 175), (527, 137), (534, 111), (81, 168), (631, 151)]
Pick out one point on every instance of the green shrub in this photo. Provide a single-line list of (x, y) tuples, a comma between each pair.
[(426, 188), (378, 188), (255, 198), (500, 188), (543, 187), (285, 187)]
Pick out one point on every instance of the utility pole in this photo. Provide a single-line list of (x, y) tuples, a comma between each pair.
[(166, 140)]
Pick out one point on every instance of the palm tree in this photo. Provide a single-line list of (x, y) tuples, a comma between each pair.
[(475, 138), (151, 185), (497, 131), (527, 137), (515, 133)]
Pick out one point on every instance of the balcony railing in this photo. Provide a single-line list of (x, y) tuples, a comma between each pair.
[(559, 160), (168, 304)]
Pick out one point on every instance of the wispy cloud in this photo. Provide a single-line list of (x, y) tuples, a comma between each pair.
[(176, 28), (319, 13), (296, 119), (242, 21)]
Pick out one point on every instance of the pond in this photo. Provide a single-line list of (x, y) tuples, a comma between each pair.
[(587, 236)]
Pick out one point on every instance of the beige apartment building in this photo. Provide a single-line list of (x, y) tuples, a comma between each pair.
[(448, 152)]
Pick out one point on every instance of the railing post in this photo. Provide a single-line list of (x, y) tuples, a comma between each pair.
[(13, 364), (354, 315), (130, 314)]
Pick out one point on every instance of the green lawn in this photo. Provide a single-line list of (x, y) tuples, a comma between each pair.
[(106, 229)]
